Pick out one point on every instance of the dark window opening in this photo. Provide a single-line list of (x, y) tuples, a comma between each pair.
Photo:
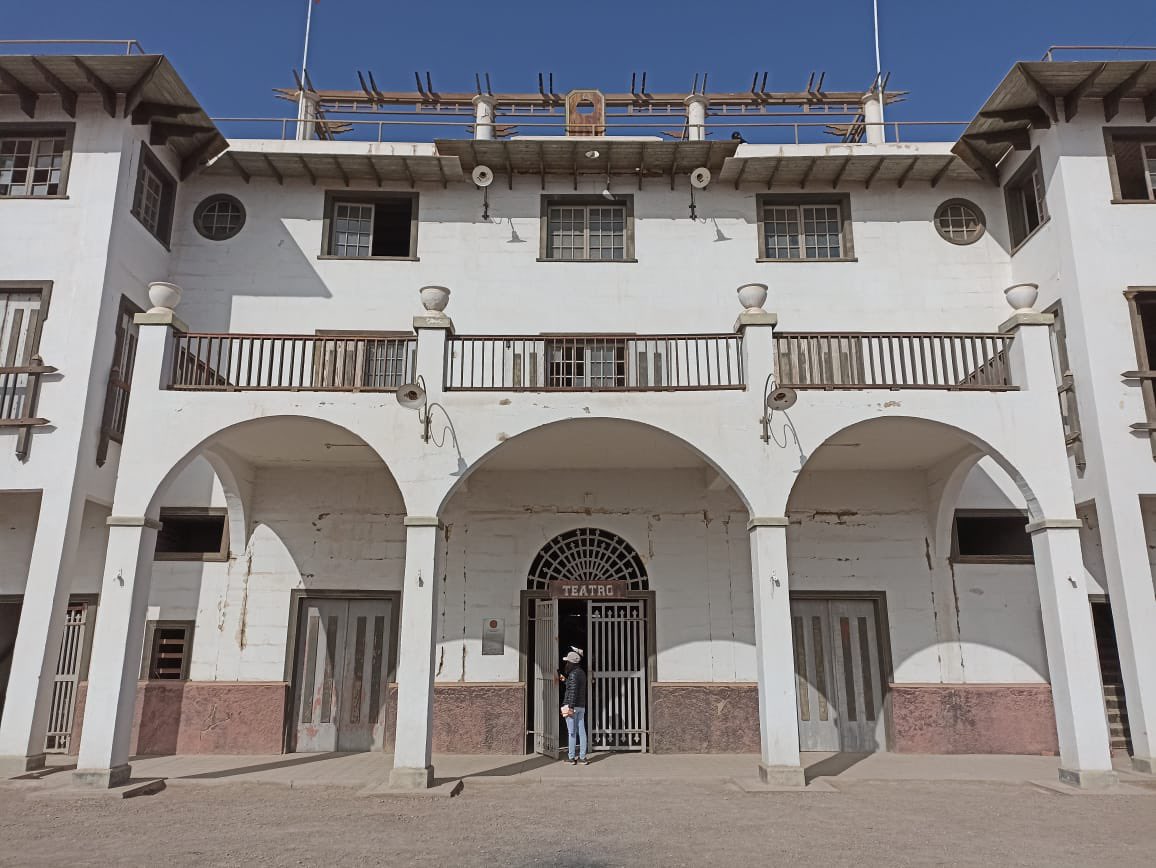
[(192, 535), (1024, 195), (1146, 311), (1133, 159), (379, 227), (169, 648), (994, 536)]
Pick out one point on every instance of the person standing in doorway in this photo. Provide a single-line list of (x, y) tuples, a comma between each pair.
[(574, 706)]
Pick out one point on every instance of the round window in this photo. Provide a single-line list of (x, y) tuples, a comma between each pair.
[(219, 217), (959, 221)]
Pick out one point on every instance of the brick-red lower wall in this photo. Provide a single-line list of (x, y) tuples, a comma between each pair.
[(472, 718), (973, 718), (188, 717), (704, 718)]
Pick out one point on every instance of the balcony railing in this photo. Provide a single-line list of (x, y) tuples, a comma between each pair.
[(19, 392), (849, 360), (315, 363), (594, 363)]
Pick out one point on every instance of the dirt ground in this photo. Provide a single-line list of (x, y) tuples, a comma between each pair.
[(584, 824)]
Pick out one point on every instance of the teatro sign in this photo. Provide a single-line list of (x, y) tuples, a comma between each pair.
[(570, 590)]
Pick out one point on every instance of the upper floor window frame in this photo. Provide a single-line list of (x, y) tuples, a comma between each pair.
[(587, 204), (1029, 177), (1145, 137), (336, 198), (154, 196), (806, 214), (40, 134)]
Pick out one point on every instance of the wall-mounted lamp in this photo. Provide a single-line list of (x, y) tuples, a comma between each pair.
[(775, 398)]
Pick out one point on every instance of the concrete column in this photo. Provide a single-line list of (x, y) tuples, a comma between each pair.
[(1073, 665), (876, 133), (696, 105), (412, 764), (306, 116), (778, 711), (114, 667), (37, 649), (1129, 579), (483, 117)]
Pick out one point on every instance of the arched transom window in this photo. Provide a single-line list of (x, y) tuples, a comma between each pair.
[(587, 554)]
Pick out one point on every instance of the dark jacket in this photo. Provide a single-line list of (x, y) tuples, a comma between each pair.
[(575, 695)]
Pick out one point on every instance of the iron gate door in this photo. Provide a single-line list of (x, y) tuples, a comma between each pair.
[(342, 672), (62, 711), (838, 677), (546, 704), (616, 705)]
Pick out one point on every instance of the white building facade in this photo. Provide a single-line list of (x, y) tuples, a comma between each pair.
[(226, 529)]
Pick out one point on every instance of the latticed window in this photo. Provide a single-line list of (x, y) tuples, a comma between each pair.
[(219, 217), (582, 231), (592, 363), (376, 225), (803, 228), (168, 650), (1027, 206), (588, 554), (33, 165), (352, 229), (959, 221), (154, 197)]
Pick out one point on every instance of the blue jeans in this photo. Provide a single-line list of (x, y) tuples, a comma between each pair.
[(577, 721)]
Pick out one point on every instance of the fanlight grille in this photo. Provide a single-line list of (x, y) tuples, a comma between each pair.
[(588, 554)]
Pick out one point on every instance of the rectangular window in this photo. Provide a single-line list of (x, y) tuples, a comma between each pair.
[(168, 650), (578, 364), (1132, 164), (371, 225), (192, 534), (1027, 206), (805, 228), (154, 197), (363, 359), (587, 229), (991, 536), (34, 160), (1142, 307), (119, 380)]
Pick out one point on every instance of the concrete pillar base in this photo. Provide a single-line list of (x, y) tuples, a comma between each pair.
[(411, 779), (12, 766), (1089, 780), (782, 776), (1144, 764), (104, 779)]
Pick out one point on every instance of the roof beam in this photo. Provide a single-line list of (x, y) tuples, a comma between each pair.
[(147, 112), (408, 173), (1033, 114), (839, 174), (162, 132), (107, 94), (910, 168), (341, 170), (742, 170), (67, 95), (237, 165), (213, 146), (774, 171), (308, 171), (1072, 98), (938, 176), (372, 170), (1045, 99), (807, 173), (875, 171), (133, 97), (1113, 97), (1018, 137), (273, 169), (979, 164), (24, 93)]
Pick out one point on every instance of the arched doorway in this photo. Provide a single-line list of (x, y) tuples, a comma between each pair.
[(588, 590)]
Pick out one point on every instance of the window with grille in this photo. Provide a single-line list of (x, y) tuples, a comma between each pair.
[(959, 221), (168, 650), (34, 160), (219, 217), (192, 534), (587, 554), (581, 229), (154, 197), (805, 228), (373, 226), (1027, 206), (1132, 159)]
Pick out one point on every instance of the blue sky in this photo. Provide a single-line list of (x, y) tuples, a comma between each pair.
[(948, 55)]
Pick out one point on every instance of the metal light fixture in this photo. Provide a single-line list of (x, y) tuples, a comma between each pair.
[(776, 398), (413, 396)]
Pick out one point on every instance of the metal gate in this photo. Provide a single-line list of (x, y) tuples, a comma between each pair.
[(68, 673), (546, 707), (616, 708), (838, 678), (342, 675)]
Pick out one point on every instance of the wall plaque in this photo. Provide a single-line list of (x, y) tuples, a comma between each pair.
[(493, 636), (569, 590)]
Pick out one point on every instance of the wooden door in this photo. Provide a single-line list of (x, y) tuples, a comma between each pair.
[(814, 676)]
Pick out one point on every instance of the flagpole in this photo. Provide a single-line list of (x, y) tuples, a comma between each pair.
[(304, 110)]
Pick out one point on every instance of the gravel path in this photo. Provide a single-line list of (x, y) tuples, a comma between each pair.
[(584, 824)]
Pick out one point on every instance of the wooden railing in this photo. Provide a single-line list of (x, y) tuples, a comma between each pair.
[(594, 363), (317, 363), (860, 360), (19, 393)]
